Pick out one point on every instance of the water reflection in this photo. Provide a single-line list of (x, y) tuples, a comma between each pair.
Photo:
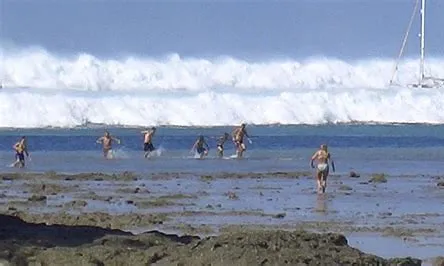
[(321, 203)]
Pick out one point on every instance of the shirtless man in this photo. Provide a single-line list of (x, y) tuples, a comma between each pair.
[(323, 158), (238, 139), (220, 144), (21, 148), (148, 146), (199, 147), (106, 141)]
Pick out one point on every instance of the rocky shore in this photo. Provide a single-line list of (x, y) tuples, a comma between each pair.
[(25, 243), (212, 219)]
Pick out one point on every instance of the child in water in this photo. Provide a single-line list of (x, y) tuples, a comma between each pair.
[(220, 144), (201, 147)]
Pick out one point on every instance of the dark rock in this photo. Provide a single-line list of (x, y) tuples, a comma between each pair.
[(378, 178), (354, 174), (345, 188), (37, 198), (232, 195), (405, 261), (279, 215), (76, 204), (66, 245)]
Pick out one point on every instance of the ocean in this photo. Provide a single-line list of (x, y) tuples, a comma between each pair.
[(392, 149), (43, 89)]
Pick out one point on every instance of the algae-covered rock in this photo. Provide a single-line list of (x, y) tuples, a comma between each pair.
[(378, 178), (40, 244), (438, 261)]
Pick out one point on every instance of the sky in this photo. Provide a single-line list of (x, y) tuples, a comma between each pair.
[(295, 28)]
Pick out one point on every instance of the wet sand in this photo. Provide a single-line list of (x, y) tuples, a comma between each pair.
[(389, 216)]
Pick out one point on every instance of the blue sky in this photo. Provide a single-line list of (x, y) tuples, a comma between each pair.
[(297, 28)]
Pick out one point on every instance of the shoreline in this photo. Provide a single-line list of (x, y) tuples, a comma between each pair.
[(227, 203)]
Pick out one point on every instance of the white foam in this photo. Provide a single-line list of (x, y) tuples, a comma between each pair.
[(66, 92), (157, 152), (118, 154)]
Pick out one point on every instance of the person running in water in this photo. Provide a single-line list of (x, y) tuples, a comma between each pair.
[(323, 158), (21, 149), (201, 147), (220, 144), (107, 142), (238, 139), (148, 146)]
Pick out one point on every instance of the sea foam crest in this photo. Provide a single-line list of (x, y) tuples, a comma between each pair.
[(42, 89)]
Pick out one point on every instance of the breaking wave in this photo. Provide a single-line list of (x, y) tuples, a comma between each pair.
[(42, 89)]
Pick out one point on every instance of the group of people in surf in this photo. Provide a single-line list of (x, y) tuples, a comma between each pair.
[(201, 147)]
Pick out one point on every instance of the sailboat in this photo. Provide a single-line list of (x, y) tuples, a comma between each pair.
[(423, 81)]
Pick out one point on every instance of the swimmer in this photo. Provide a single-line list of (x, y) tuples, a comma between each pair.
[(220, 144), (21, 148), (323, 158), (106, 141), (238, 139), (148, 146), (199, 147)]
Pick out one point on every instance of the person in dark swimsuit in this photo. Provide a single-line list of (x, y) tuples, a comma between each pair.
[(220, 144), (21, 148), (201, 147), (148, 146)]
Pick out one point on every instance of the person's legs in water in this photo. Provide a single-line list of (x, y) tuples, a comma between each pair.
[(201, 151), (148, 148), (220, 151), (322, 174), (107, 153), (319, 181), (240, 148), (20, 160), (243, 148)]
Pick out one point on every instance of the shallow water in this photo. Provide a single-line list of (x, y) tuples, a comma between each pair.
[(406, 211), (394, 149), (410, 155), (389, 247)]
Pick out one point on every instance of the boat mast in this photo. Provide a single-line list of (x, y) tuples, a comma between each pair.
[(421, 66)]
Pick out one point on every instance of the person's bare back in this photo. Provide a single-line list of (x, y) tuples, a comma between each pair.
[(323, 158), (239, 134)]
